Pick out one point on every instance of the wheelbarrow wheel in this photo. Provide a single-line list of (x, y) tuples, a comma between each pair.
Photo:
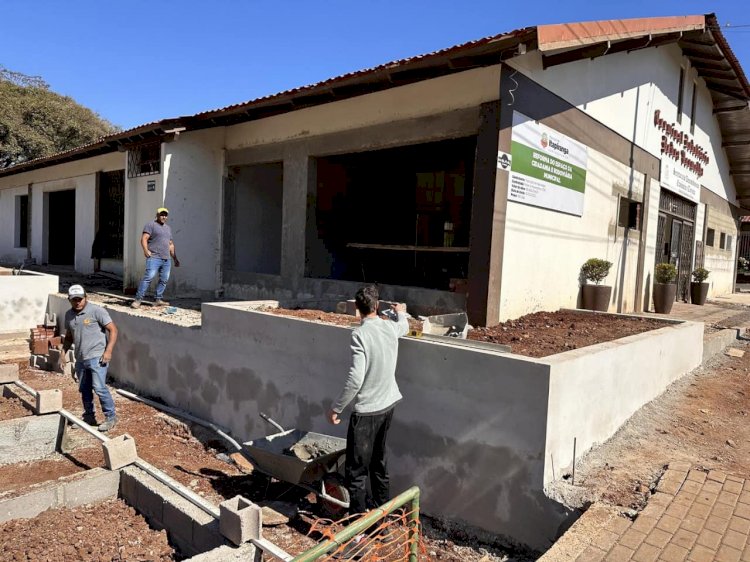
[(333, 484)]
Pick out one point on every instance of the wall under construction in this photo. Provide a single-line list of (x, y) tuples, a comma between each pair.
[(478, 431)]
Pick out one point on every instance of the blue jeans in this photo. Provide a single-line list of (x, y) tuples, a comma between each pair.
[(154, 265), (92, 377)]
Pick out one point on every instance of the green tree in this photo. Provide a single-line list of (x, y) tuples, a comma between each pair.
[(36, 122)]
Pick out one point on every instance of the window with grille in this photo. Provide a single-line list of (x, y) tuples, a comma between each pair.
[(144, 159), (710, 234)]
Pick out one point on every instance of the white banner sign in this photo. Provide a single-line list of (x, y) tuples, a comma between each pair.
[(679, 180), (547, 168)]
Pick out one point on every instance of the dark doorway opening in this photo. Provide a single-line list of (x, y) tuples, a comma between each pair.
[(398, 216), (61, 231), (110, 216), (675, 235)]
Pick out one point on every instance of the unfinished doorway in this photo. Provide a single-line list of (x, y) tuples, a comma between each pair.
[(61, 227), (675, 236), (110, 222), (398, 216)]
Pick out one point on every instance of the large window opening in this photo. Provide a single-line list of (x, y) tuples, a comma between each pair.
[(397, 216), (22, 221), (254, 211)]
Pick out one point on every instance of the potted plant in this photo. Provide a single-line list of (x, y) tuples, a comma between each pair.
[(665, 288), (596, 296), (698, 287)]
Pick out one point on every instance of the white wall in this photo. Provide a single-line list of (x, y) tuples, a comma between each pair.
[(544, 249), (9, 253), (23, 300)]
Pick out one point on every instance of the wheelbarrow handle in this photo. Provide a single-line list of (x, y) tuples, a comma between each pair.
[(269, 420)]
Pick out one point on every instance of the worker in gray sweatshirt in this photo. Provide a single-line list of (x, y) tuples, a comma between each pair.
[(371, 387)]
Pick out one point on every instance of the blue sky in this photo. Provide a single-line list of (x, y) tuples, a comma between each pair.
[(136, 61)]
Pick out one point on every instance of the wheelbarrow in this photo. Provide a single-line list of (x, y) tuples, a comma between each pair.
[(312, 461)]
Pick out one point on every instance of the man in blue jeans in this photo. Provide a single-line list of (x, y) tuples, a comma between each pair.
[(90, 328), (158, 247)]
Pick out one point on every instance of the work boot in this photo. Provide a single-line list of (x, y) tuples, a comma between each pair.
[(108, 424), (160, 302), (135, 304), (90, 418)]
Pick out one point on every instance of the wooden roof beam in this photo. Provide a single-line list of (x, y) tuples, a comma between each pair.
[(730, 108)]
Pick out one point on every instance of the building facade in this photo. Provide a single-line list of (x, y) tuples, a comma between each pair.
[(476, 178)]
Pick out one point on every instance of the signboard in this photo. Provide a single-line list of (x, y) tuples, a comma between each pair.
[(678, 180), (151, 185), (547, 168)]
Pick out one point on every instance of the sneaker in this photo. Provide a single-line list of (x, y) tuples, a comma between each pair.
[(160, 302), (89, 419), (108, 424), (135, 304)]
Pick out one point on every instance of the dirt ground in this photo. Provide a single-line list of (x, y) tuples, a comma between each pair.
[(534, 335), (196, 457), (702, 418), (11, 408), (107, 531)]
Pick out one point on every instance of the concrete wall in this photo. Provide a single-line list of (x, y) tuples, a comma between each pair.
[(23, 300), (473, 429), (594, 390)]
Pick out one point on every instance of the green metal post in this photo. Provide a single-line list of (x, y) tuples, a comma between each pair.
[(414, 529), (352, 530)]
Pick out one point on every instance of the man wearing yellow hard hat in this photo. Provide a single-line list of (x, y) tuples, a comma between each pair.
[(158, 247)]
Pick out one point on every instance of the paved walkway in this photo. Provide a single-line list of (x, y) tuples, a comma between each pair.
[(693, 515)]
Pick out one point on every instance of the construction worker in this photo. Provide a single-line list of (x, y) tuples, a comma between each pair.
[(90, 328), (158, 247), (371, 387)]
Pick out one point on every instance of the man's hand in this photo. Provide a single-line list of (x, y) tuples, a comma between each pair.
[(333, 417), (176, 262), (106, 357), (399, 307), (147, 253), (62, 361)]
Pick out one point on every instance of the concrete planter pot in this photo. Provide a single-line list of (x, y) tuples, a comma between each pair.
[(596, 297), (698, 293), (664, 294)]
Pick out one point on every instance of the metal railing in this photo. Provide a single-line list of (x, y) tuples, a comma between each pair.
[(410, 496)]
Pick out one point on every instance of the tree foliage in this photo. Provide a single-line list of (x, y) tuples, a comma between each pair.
[(36, 122)]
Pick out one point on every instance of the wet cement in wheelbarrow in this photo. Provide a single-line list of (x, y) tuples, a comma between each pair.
[(309, 448)]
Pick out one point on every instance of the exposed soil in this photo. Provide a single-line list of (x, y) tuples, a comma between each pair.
[(703, 418), (535, 335), (193, 456), (11, 408), (92, 533)]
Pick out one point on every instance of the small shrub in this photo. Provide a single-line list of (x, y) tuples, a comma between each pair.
[(595, 270), (665, 273), (700, 275), (743, 264)]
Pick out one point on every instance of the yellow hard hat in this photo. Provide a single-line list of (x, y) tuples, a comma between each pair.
[(161, 210)]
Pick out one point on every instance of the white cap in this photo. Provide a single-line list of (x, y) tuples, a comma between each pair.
[(76, 291)]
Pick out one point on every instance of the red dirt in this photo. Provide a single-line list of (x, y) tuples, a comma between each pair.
[(11, 408), (17, 477), (105, 531), (535, 335)]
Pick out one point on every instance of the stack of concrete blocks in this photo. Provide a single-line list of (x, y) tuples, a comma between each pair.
[(240, 520), (46, 347)]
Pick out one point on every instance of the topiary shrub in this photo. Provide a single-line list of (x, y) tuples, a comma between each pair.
[(665, 273), (700, 275), (595, 270)]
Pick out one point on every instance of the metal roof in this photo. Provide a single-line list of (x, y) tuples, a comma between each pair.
[(699, 37)]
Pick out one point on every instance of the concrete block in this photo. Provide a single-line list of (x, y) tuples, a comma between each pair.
[(28, 505), (38, 361), (8, 372), (227, 554), (50, 320), (53, 357), (240, 520), (129, 485), (351, 308), (151, 505), (207, 536), (119, 452), (96, 486), (49, 401), (180, 527), (28, 438)]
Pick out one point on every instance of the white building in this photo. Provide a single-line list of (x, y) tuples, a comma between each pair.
[(628, 141)]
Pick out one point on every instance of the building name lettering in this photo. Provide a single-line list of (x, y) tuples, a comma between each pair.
[(678, 146)]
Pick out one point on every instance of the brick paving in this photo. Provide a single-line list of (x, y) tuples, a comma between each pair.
[(693, 515)]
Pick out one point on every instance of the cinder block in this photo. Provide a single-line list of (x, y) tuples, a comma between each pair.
[(351, 308), (38, 361), (151, 505), (240, 520), (50, 320), (39, 347), (49, 401), (207, 536), (119, 452), (53, 355), (98, 485), (8, 372)]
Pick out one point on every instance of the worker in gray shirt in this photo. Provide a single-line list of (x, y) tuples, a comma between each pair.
[(371, 386), (158, 247), (91, 329)]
